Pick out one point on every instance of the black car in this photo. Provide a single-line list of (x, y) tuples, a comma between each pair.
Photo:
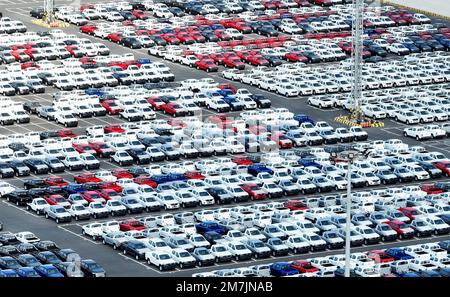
[(139, 156), (176, 11), (209, 36), (34, 183), (273, 60), (18, 146), (134, 248), (37, 13), (212, 237), (69, 269), (8, 238), (158, 40), (91, 268), (36, 192), (220, 195), (46, 245), (9, 250), (47, 78), (127, 15), (27, 248), (48, 134), (66, 254), (6, 170), (55, 190), (19, 197), (31, 106), (54, 165), (131, 42), (37, 166), (312, 57), (48, 257), (20, 169), (137, 171)]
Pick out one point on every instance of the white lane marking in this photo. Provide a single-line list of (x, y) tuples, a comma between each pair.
[(78, 235), (137, 262), (21, 209)]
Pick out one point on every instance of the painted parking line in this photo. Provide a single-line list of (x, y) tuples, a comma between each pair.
[(138, 262), (21, 209), (78, 235)]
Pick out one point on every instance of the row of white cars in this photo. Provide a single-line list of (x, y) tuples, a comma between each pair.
[(260, 230), (428, 259), (297, 79)]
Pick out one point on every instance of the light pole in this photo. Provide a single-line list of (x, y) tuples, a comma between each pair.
[(347, 156)]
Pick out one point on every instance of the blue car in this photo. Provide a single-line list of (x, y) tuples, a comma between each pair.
[(177, 177), (94, 92), (226, 92), (161, 178), (8, 273), (445, 244), (258, 168), (411, 47), (234, 103), (309, 162), (143, 61), (27, 272), (409, 274), (301, 118), (282, 269), (210, 226), (429, 273), (48, 270), (398, 254), (9, 263), (444, 272), (74, 189)]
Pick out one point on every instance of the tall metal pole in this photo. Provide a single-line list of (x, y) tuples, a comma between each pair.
[(348, 219), (49, 11), (357, 57)]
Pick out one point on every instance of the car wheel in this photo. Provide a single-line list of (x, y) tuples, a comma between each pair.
[(46, 216), (114, 247), (57, 221), (237, 258), (160, 267), (137, 257), (76, 218)]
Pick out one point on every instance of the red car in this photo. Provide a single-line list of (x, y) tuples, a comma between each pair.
[(113, 128), (111, 186), (282, 141), (255, 191), (109, 194), (242, 160), (176, 122), (92, 196), (241, 26), (194, 175), (380, 256), (303, 266), (129, 225), (431, 189), (222, 35), (207, 65), (243, 55), (402, 229), (198, 37), (55, 199), (74, 51), (410, 212), (296, 57), (111, 107), (56, 181), (295, 205), (84, 148), (115, 37), (234, 62), (228, 87), (102, 149), (174, 109), (88, 28), (170, 38), (185, 38), (86, 177), (444, 167), (156, 103), (121, 173), (217, 58), (221, 120), (257, 60), (139, 14), (66, 133), (145, 180)]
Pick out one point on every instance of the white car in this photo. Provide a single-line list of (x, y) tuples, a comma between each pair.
[(407, 117), (94, 230), (321, 102), (435, 131), (161, 259), (27, 237), (122, 158), (418, 132)]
